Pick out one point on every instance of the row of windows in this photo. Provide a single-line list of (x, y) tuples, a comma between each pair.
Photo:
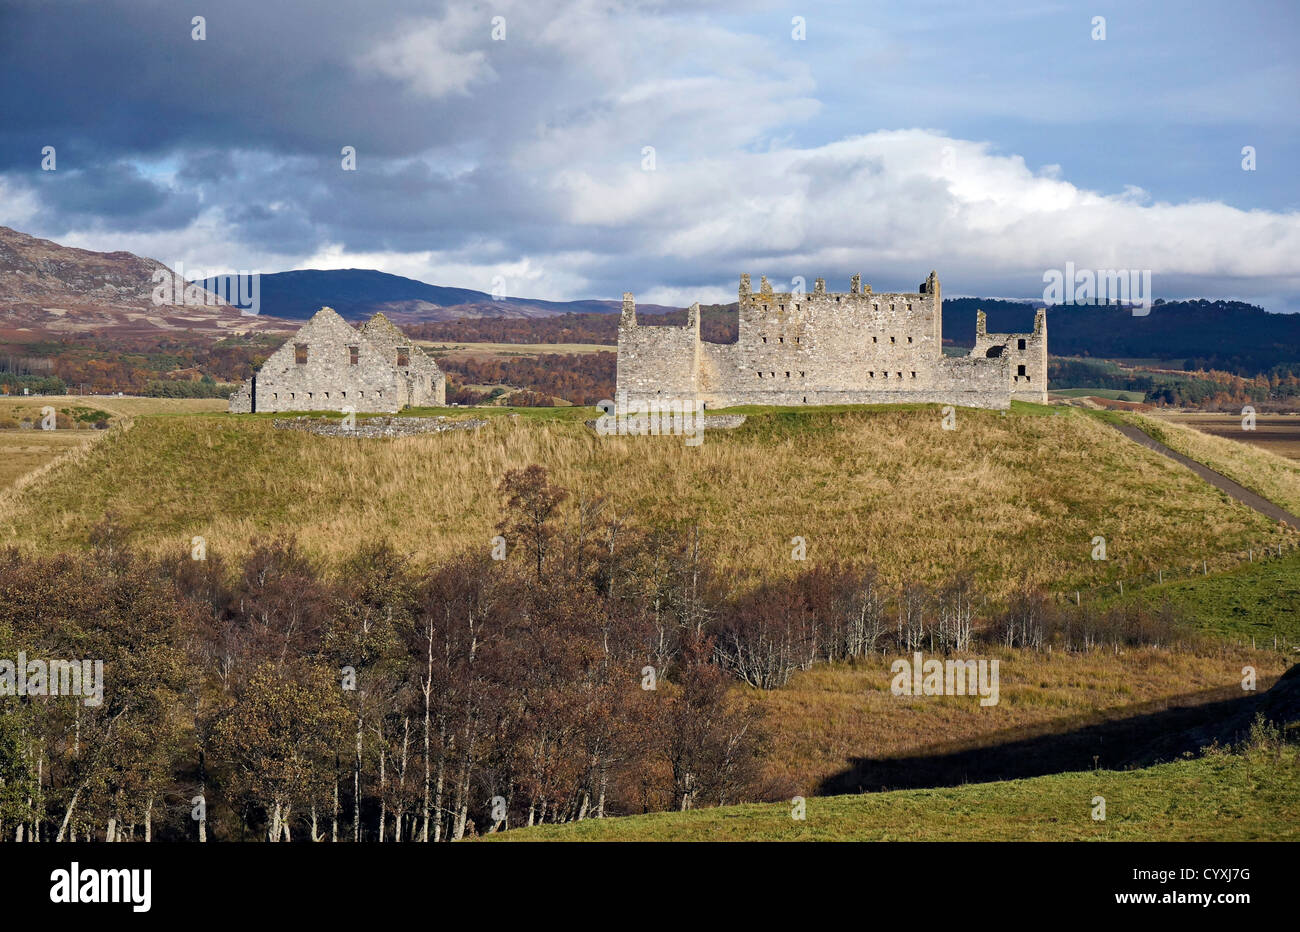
[(873, 340), (870, 374), (293, 396), (838, 298), (354, 355)]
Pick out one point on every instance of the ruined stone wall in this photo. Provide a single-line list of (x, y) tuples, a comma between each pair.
[(1026, 355), (241, 402), (425, 384), (328, 366), (814, 348), (328, 380), (657, 361)]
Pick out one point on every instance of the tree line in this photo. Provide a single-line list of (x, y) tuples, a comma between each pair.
[(590, 672)]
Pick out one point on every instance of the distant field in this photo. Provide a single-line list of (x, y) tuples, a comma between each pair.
[(29, 406), (1221, 797), (23, 451), (1114, 394), (1276, 433), (1258, 467), (834, 713), (1005, 495), (515, 349)]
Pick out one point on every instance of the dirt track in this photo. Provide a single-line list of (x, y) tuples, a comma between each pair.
[(1221, 482)]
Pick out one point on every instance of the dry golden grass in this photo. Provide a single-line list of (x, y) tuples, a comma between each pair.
[(1273, 476), (29, 406), (24, 451), (1003, 495), (831, 714), (1273, 433)]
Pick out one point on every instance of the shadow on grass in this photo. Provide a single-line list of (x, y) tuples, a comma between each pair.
[(1136, 736)]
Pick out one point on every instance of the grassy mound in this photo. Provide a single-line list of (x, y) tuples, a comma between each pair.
[(1006, 495)]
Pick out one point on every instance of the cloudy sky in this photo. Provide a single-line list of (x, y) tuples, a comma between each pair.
[(991, 145)]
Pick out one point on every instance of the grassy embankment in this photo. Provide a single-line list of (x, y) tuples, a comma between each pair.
[(1220, 797), (1004, 495)]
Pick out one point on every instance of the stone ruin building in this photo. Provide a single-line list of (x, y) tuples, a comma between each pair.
[(329, 366), (830, 348)]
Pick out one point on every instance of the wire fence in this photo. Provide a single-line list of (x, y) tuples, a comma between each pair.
[(1262, 552)]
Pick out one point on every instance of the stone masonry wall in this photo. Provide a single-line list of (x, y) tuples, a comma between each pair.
[(816, 348), (327, 380), (1026, 355), (425, 383)]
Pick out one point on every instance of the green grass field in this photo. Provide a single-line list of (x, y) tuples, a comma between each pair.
[(1114, 394), (1220, 797), (1259, 601)]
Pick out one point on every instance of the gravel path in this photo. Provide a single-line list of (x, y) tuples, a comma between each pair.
[(1219, 481)]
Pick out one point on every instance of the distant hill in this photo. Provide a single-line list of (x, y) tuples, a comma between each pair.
[(49, 290), (1197, 334), (359, 293), (1228, 335)]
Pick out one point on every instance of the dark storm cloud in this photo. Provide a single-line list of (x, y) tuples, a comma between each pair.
[(776, 156)]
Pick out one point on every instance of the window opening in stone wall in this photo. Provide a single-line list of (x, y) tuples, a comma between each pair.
[(1020, 370), (780, 339), (403, 356), (873, 339), (787, 375), (300, 354), (1020, 344), (764, 339), (760, 375), (909, 339), (899, 374), (913, 375), (892, 340), (354, 355)]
